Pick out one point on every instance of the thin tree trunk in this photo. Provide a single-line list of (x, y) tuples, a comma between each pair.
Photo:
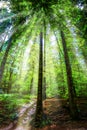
[(61, 66), (72, 104), (32, 79), (1, 47), (31, 86), (10, 80), (39, 109), (2, 67), (33, 68)]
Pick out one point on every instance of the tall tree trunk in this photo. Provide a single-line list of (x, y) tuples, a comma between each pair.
[(44, 77), (72, 104), (39, 109)]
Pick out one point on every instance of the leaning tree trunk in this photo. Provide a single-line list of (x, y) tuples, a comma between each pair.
[(39, 108), (61, 67), (72, 104), (10, 77), (2, 67)]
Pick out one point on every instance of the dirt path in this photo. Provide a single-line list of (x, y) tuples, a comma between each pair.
[(54, 109), (24, 119)]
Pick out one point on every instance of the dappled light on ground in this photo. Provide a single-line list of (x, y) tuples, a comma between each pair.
[(57, 111), (25, 116)]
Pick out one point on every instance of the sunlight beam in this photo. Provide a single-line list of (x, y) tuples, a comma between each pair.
[(25, 60)]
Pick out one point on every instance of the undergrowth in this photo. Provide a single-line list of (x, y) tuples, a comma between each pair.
[(9, 104)]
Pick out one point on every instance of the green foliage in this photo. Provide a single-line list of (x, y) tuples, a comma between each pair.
[(44, 122), (79, 18), (9, 104), (8, 109)]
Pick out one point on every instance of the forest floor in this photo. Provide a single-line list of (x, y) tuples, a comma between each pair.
[(56, 110)]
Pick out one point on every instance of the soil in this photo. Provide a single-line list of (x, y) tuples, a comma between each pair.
[(57, 111)]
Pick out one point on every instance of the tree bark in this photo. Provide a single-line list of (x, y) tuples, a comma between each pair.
[(39, 109), (72, 104), (44, 77)]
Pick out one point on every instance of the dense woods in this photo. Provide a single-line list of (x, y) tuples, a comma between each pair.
[(43, 60)]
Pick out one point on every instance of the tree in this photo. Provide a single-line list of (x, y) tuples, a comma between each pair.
[(4, 60), (32, 65), (60, 80), (18, 29), (39, 109), (79, 20), (72, 104), (44, 77)]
